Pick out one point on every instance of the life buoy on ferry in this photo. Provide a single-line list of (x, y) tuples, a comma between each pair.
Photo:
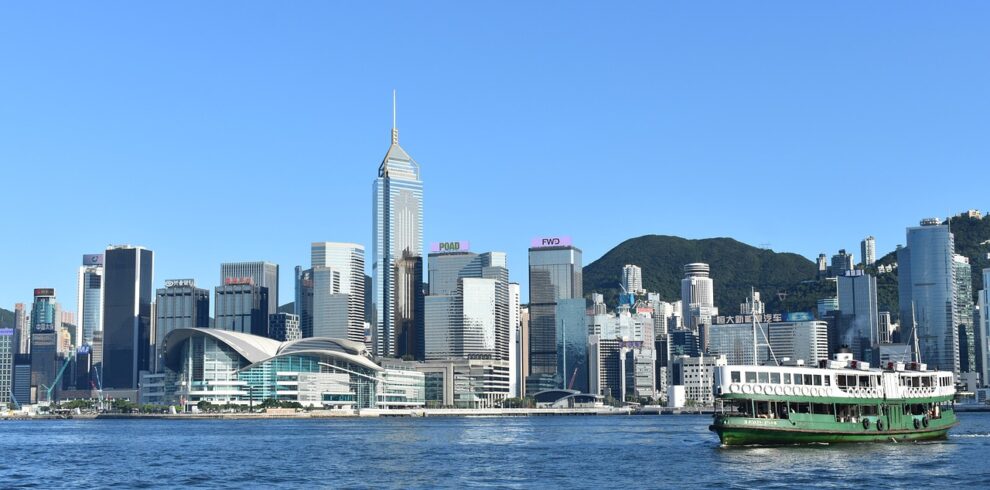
[(806, 391), (924, 421), (866, 424), (778, 390), (788, 390), (917, 424), (734, 388), (880, 425), (747, 389), (758, 389)]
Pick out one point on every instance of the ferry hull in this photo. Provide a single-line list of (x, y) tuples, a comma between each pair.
[(746, 436)]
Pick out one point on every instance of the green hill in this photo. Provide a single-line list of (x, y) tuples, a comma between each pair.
[(735, 268)]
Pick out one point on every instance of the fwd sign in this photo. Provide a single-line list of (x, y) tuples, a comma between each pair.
[(551, 241)]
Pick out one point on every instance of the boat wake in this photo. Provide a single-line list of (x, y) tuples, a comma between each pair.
[(980, 435)]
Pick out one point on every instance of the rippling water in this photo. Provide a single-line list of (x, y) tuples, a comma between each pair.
[(516, 452)]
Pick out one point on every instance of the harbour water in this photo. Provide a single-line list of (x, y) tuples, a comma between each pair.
[(504, 452)]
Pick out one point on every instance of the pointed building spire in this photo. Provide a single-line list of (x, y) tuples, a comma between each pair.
[(395, 131)]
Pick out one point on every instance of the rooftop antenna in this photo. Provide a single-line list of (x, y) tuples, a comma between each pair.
[(395, 131)]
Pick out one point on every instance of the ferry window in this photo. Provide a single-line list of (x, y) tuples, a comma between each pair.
[(797, 379), (764, 377), (736, 377), (840, 381), (775, 378), (750, 377), (818, 380), (868, 410), (926, 382), (822, 408), (916, 382), (808, 379), (864, 381), (787, 378), (828, 380)]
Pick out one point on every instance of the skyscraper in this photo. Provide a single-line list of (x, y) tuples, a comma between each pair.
[(304, 301), (859, 323), (515, 317), (342, 307), (264, 274), (841, 262), (127, 295), (180, 304), (22, 329), (397, 261), (241, 306), (554, 276), (983, 332), (44, 342), (7, 351), (89, 298), (868, 249), (697, 296), (467, 310), (632, 279), (925, 280), (963, 288)]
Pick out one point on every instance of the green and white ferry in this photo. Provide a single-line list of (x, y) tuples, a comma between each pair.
[(841, 400)]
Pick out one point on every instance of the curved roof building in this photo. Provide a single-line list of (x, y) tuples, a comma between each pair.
[(223, 367)]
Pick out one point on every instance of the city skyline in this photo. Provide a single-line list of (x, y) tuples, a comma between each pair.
[(337, 135)]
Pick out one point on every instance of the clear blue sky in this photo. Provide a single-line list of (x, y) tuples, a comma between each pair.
[(228, 131)]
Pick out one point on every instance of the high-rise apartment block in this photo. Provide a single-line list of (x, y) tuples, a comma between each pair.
[(697, 296), (868, 250), (632, 279)]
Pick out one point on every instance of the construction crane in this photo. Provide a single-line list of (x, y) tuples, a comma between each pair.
[(58, 377)]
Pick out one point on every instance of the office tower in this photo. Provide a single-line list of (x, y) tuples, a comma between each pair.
[(605, 367), (467, 310), (983, 332), (340, 305), (240, 305), (89, 298), (127, 295), (263, 274), (22, 380), (515, 294), (523, 349), (554, 276), (735, 341), (925, 281), (180, 304), (752, 306), (8, 349), (841, 263), (697, 296), (632, 279), (397, 260), (22, 329), (858, 322), (284, 327), (304, 300), (868, 249), (807, 341), (963, 290), (44, 343), (822, 266)]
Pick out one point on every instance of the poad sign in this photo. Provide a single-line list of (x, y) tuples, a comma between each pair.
[(448, 247)]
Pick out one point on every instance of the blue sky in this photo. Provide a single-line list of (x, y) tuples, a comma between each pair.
[(227, 131)]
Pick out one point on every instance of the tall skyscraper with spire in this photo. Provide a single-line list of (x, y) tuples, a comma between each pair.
[(397, 267)]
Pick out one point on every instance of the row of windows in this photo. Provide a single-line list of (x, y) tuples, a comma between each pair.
[(781, 378)]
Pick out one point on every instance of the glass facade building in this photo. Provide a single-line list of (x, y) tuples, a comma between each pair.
[(7, 351), (554, 275), (44, 343), (963, 278), (926, 280), (89, 298), (304, 300), (342, 310), (859, 321), (221, 367), (127, 297), (397, 260)]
